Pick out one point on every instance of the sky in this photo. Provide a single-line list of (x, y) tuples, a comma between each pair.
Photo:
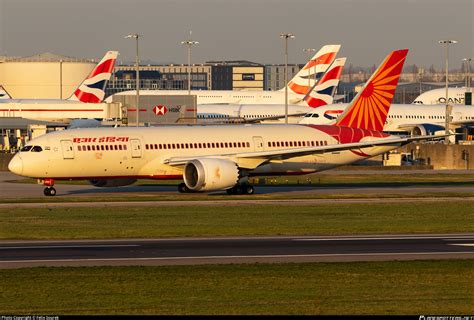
[(239, 29)]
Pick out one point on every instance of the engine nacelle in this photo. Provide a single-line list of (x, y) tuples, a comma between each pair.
[(108, 183), (210, 174), (425, 129)]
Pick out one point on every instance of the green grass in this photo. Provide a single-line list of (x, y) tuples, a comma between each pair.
[(411, 287), (245, 220)]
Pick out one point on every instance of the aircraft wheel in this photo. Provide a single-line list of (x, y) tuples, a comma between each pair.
[(182, 188), (249, 189), (49, 191)]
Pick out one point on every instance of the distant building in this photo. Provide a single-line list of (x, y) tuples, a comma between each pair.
[(237, 75), (160, 77), (275, 75)]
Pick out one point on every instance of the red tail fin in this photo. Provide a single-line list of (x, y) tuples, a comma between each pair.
[(369, 109)]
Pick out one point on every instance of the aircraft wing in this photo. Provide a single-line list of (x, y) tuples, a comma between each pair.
[(251, 160)]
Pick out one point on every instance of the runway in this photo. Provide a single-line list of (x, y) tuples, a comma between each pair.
[(19, 254), (25, 190)]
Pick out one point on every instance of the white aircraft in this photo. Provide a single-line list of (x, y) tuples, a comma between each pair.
[(298, 87), (417, 120), (321, 94), (85, 102), (438, 96), (213, 158)]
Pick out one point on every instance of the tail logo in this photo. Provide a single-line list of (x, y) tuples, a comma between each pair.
[(323, 93), (92, 89), (370, 107), (314, 69)]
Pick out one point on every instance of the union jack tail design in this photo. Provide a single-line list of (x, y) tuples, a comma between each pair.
[(92, 89), (304, 80), (369, 109), (4, 94), (323, 93)]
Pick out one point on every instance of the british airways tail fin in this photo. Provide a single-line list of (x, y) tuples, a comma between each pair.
[(4, 94), (92, 89), (323, 92), (307, 77), (369, 109)]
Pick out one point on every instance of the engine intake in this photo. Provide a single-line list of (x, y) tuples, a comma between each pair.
[(210, 174), (109, 183)]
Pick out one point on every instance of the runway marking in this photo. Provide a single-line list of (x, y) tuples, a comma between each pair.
[(72, 246), (462, 244), (386, 238), (243, 257)]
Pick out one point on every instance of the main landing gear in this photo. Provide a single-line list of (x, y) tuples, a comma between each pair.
[(241, 189), (49, 191), (182, 188)]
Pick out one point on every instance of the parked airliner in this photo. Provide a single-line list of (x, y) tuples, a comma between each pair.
[(85, 102), (417, 120), (438, 96), (298, 87), (214, 158), (321, 94)]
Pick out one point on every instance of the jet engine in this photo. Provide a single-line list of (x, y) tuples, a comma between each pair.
[(108, 183), (210, 174), (425, 129)]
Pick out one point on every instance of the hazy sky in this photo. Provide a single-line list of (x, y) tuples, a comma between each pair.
[(239, 29)]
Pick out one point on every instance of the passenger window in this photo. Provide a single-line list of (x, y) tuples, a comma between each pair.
[(124, 147), (78, 148), (102, 147)]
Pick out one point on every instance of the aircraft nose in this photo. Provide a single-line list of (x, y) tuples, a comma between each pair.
[(16, 165)]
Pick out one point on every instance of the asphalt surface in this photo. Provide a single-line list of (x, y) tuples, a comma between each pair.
[(10, 189), (18, 254)]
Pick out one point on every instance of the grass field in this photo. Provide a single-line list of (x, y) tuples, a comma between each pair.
[(246, 220), (416, 287)]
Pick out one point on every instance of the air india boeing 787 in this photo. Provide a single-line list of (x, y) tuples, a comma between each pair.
[(218, 157)]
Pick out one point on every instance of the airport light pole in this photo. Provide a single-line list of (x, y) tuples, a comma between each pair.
[(309, 51), (136, 36), (286, 36), (447, 113), (189, 43), (468, 70)]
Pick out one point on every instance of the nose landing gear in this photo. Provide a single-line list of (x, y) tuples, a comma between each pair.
[(49, 191)]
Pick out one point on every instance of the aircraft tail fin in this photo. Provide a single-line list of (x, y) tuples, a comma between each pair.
[(323, 92), (369, 108), (92, 89), (308, 76)]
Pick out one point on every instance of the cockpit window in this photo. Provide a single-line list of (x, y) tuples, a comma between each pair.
[(36, 149), (25, 148)]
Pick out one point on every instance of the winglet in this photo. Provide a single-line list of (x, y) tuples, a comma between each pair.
[(92, 89), (369, 109)]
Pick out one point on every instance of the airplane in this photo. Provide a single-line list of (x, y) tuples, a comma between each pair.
[(218, 157), (298, 87), (85, 102), (321, 94), (438, 96), (414, 119), (4, 94)]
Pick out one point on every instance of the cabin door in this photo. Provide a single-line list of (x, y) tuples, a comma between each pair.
[(68, 149), (258, 143), (136, 148)]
